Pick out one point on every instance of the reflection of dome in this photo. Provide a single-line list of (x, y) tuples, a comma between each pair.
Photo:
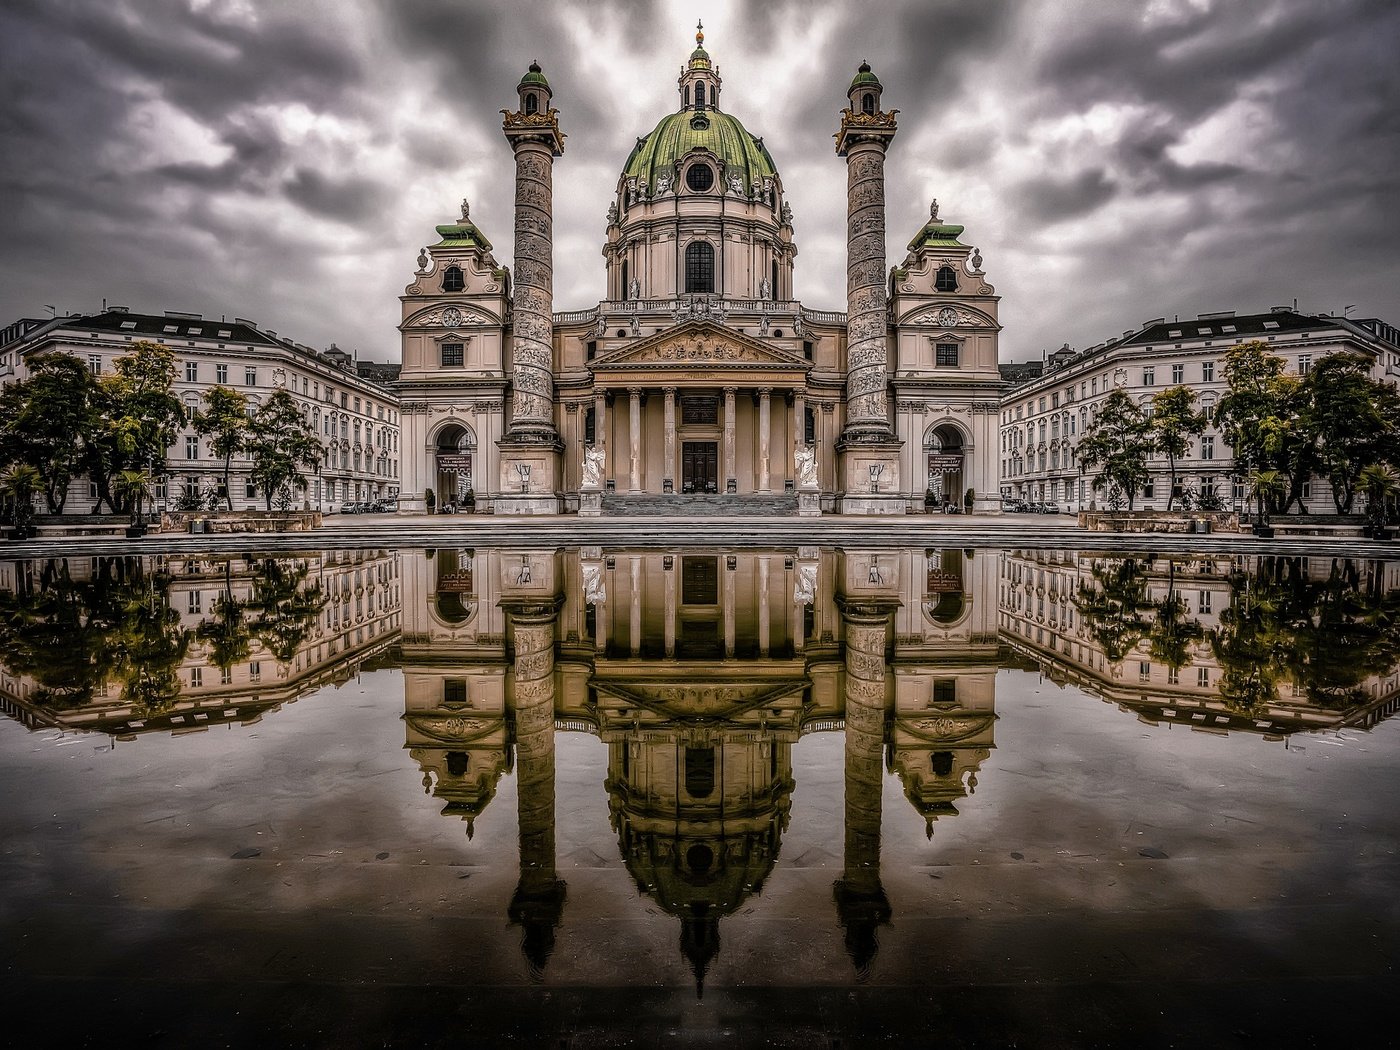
[(680, 133)]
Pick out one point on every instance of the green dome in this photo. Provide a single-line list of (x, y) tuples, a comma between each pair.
[(700, 57), (535, 76), (863, 78), (680, 133)]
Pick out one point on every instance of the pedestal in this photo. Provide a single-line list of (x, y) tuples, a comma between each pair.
[(590, 503), (870, 476), (809, 503), (529, 479)]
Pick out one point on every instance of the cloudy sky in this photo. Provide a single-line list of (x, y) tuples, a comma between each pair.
[(284, 161)]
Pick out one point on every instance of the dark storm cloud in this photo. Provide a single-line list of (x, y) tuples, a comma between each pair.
[(236, 155)]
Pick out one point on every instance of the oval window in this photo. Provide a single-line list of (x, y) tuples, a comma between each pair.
[(699, 177)]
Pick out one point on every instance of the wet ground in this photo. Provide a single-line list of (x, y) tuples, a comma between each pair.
[(1095, 875)]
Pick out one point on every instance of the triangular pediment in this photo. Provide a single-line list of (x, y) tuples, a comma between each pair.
[(699, 344), (711, 699)]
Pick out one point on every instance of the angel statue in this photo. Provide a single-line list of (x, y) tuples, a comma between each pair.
[(805, 458), (593, 458)]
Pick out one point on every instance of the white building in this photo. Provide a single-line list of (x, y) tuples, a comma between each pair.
[(358, 420), (1043, 419)]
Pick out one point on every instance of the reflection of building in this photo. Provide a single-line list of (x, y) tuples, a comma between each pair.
[(245, 634), (701, 375), (1202, 641), (1043, 419), (357, 419), (700, 670)]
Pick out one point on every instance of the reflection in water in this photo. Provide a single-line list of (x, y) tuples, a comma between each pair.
[(700, 670)]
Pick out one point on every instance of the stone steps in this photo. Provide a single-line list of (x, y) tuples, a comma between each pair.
[(766, 505)]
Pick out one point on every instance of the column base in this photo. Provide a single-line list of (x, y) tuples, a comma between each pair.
[(529, 478), (870, 476)]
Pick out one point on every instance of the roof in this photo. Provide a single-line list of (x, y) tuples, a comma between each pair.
[(864, 77), (171, 326), (1274, 322), (678, 134), (534, 76), (462, 234), (937, 235)]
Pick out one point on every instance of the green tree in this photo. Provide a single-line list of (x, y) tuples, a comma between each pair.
[(1118, 441), (284, 608), (1380, 484), (1175, 421), (1111, 603), (1262, 418), (1349, 418), (46, 420), (18, 486), (1172, 633), (1267, 488), (226, 634), (131, 487), (139, 418), (282, 444), (225, 421)]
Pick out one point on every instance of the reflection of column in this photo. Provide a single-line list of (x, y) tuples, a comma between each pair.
[(634, 437), (728, 611), (730, 482), (668, 470), (634, 627), (671, 611), (538, 902), (861, 905), (763, 625), (764, 422)]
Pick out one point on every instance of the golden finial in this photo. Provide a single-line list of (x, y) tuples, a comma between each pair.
[(699, 33)]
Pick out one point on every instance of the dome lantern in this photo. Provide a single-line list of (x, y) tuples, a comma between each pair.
[(699, 80)]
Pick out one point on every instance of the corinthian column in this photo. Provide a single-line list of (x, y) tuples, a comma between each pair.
[(538, 902)]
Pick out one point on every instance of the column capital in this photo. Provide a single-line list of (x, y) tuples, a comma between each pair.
[(669, 391), (634, 391), (730, 391)]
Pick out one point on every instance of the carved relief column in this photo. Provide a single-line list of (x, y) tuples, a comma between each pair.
[(538, 902), (668, 472), (634, 438), (765, 420), (868, 444), (861, 904), (731, 483), (530, 477)]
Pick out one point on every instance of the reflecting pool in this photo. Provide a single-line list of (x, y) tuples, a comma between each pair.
[(709, 797)]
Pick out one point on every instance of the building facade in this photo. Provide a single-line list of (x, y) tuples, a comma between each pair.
[(357, 419), (701, 379), (1043, 418)]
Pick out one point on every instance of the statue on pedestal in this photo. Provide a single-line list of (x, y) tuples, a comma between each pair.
[(805, 458), (593, 459)]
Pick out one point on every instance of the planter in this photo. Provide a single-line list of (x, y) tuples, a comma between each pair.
[(133, 531), (1264, 531)]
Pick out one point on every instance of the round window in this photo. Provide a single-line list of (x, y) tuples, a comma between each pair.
[(699, 177)]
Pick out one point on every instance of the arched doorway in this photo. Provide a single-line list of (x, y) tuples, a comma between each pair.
[(944, 451), (454, 453)]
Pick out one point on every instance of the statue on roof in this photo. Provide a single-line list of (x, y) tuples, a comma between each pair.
[(466, 217), (933, 211)]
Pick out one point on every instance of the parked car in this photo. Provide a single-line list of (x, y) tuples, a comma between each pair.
[(349, 508), (1051, 508)]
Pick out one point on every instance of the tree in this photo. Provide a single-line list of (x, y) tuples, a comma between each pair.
[(18, 485), (1261, 418), (132, 487), (1348, 420), (46, 420), (1267, 488), (138, 418), (1379, 483), (1172, 633), (1174, 423), (281, 445), (224, 420), (1118, 440)]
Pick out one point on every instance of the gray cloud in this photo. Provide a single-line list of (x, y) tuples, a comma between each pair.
[(1112, 161)]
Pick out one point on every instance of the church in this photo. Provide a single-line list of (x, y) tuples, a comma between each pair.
[(700, 384)]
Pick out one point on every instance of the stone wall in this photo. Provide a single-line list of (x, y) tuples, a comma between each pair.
[(1159, 521)]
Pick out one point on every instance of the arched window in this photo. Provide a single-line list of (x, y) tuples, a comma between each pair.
[(624, 280), (945, 280), (532, 104), (867, 103), (774, 287), (700, 267), (687, 96), (700, 96), (590, 427), (452, 280), (809, 427)]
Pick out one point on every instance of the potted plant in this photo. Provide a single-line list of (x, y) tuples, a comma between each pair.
[(131, 488), (469, 501), (1379, 483), (931, 501), (19, 485), (969, 497), (430, 500)]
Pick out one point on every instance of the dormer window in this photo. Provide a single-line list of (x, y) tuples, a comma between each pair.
[(945, 280), (452, 280), (867, 103)]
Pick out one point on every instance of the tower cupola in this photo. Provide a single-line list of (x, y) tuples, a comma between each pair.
[(534, 91), (700, 80), (864, 91)]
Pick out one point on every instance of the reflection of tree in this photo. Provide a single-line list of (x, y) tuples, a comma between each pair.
[(72, 635), (1325, 634), (284, 609), (1172, 635), (1111, 604), (226, 635)]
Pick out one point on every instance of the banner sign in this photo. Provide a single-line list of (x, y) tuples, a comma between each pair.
[(939, 461), (455, 582), (458, 461), (944, 582)]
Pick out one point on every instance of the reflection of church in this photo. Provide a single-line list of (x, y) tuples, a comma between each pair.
[(700, 379), (701, 671)]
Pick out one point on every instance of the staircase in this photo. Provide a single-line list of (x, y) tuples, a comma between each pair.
[(712, 505)]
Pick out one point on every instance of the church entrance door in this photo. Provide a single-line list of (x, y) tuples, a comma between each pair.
[(699, 466)]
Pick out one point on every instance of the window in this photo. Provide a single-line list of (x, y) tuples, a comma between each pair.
[(700, 95), (809, 427), (945, 280), (699, 177), (1207, 447), (1149, 376), (454, 690), (1304, 364), (196, 677), (1054, 400), (250, 491), (226, 676), (191, 448), (699, 410), (1148, 489), (1173, 676), (254, 671), (1144, 671), (945, 690), (191, 372), (1203, 677), (452, 280), (221, 374), (867, 103), (1207, 371), (532, 104), (700, 266), (946, 355), (95, 364), (250, 376), (1178, 374), (1203, 601), (590, 427), (452, 355)]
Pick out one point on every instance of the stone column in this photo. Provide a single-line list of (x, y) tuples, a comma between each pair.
[(765, 419), (600, 422), (731, 483), (668, 474), (861, 904), (634, 437), (538, 902), (530, 448), (799, 430), (868, 443)]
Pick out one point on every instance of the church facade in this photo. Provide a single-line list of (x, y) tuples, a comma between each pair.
[(701, 383)]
